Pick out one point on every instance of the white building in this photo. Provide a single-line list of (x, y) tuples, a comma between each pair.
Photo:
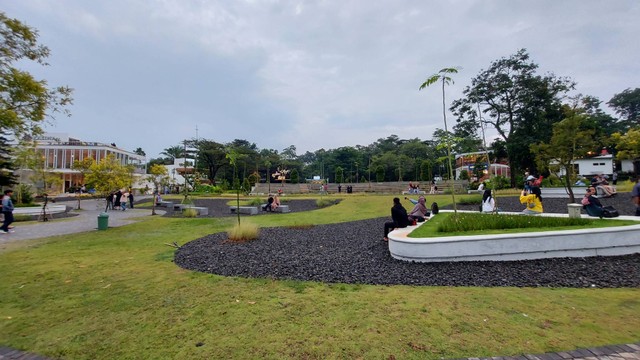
[(60, 151)]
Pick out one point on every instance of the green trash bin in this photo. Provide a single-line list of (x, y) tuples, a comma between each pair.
[(103, 221)]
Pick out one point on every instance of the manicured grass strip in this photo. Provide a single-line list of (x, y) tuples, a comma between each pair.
[(452, 224)]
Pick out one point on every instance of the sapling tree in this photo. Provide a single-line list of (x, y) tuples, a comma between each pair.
[(443, 76)]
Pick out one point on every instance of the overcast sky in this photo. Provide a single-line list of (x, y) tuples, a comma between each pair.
[(313, 74)]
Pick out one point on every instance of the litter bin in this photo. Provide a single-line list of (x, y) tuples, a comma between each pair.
[(574, 210), (103, 221)]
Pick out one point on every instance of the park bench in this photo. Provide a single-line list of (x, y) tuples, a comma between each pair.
[(249, 210), (202, 211), (166, 204), (280, 209), (419, 192)]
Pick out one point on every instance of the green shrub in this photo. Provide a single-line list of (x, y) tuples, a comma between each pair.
[(25, 196), (208, 189), (500, 182), (476, 222), (323, 202), (190, 213), (21, 217), (244, 232), (470, 200)]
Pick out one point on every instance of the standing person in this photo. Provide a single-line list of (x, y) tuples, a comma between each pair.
[(488, 202), (399, 216), (7, 211), (533, 200), (339, 188), (130, 197), (123, 202), (635, 194), (614, 178), (118, 196), (110, 201)]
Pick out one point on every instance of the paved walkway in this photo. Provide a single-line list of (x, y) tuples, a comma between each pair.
[(87, 220)]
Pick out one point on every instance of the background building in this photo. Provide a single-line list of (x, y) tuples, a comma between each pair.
[(60, 151)]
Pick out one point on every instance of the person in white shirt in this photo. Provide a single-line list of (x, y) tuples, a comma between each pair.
[(488, 202)]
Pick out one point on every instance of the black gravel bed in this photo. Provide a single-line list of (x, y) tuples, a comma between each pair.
[(220, 207), (354, 253)]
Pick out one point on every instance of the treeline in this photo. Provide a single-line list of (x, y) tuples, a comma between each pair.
[(529, 112)]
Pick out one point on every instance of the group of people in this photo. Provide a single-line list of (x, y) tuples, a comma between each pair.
[(414, 188), (119, 199), (601, 185), (273, 202), (402, 219)]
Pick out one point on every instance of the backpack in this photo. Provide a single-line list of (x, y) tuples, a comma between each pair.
[(609, 212), (434, 208)]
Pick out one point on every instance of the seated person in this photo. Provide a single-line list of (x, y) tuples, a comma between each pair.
[(533, 201), (158, 198), (267, 207), (399, 216), (488, 202), (275, 203), (481, 187), (591, 204), (419, 212), (600, 183)]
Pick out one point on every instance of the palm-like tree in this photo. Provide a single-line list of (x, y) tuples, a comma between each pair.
[(444, 77), (173, 152)]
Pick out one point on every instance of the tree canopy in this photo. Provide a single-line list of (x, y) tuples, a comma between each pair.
[(25, 102)]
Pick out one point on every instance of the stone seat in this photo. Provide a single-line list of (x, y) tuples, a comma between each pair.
[(249, 210)]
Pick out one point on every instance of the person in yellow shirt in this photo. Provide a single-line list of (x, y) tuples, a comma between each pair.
[(533, 201)]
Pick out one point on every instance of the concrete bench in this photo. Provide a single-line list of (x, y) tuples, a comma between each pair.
[(202, 211), (419, 192), (166, 204), (280, 209), (249, 210)]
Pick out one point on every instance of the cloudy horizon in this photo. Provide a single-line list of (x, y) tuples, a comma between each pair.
[(313, 74)]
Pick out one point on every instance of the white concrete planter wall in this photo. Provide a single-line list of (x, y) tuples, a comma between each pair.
[(618, 240)]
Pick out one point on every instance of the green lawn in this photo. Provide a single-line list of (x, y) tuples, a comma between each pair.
[(117, 294)]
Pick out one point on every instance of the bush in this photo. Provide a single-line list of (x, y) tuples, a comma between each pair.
[(190, 213), (208, 189), (325, 202), (244, 232), (25, 196), (470, 200), (500, 182)]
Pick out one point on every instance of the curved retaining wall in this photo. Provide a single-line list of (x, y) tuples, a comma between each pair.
[(619, 240)]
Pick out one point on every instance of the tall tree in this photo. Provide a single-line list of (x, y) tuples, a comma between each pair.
[(211, 157), (443, 76), (139, 151), (174, 152), (25, 102), (627, 105), (7, 165), (519, 104), (571, 139)]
